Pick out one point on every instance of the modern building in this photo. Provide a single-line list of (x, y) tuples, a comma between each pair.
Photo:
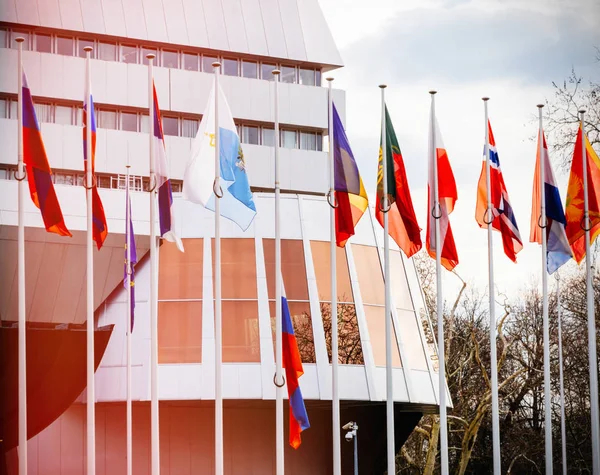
[(250, 38)]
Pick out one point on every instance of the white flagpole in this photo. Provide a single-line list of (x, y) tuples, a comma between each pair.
[(563, 430), (21, 278), (128, 286), (440, 303), (335, 396), (590, 312), (218, 315), (154, 429), (279, 438), (91, 390), (493, 357), (391, 445), (543, 224)]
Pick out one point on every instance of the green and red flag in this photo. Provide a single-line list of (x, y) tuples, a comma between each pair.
[(403, 226)]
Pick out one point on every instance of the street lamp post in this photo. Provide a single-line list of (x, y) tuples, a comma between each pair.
[(352, 435)]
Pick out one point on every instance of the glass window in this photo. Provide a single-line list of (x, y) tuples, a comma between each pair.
[(145, 51), (103, 181), (64, 46), (307, 76), (3, 38), (288, 139), (288, 74), (191, 62), (266, 71), (12, 108), (128, 54), (107, 119), (180, 332), (376, 324), (320, 142), (82, 44), (63, 115), (170, 59), (176, 186), (241, 342), (129, 121), (249, 69), (3, 109), (144, 123), (318, 78), (230, 67), (321, 259), (43, 112), (238, 268), (178, 271), (189, 127), (170, 126), (16, 34), (370, 276), (107, 51), (43, 43), (349, 345), (293, 268), (250, 134), (268, 137), (207, 63), (308, 141)]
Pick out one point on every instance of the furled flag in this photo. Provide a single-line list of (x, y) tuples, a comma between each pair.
[(38, 169), (293, 370), (558, 250), (131, 256), (165, 195), (99, 226), (503, 215), (402, 222), (237, 203), (350, 193), (447, 197), (574, 208)]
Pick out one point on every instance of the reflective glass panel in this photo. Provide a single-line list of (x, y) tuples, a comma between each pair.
[(288, 74), (107, 119), (288, 139), (63, 115), (191, 62), (207, 63), (170, 126), (230, 67), (238, 268), (180, 273), (400, 290), (3, 38), (318, 79), (189, 127), (129, 121), (321, 259), (170, 59), (82, 44), (43, 112), (146, 51), (250, 134), (293, 268), (266, 71), (180, 332), (308, 141), (107, 51), (268, 137), (3, 109), (307, 76), (370, 276), (376, 325), (349, 345), (144, 124), (249, 69), (43, 43), (411, 339), (241, 342), (64, 46), (128, 54)]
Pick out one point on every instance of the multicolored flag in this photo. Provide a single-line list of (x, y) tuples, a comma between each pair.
[(403, 226), (39, 174), (293, 370), (99, 225), (350, 193), (558, 250), (503, 215), (447, 198), (575, 194), (131, 256), (165, 195), (237, 203)]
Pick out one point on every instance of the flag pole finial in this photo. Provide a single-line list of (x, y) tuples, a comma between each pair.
[(485, 99), (432, 92), (276, 72), (19, 39), (88, 48), (539, 106), (150, 56), (329, 79), (383, 86), (581, 111), (215, 64)]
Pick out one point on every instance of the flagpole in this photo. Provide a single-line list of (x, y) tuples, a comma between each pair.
[(391, 449), (493, 356), (21, 261), (91, 390), (128, 286), (543, 223), (279, 383), (154, 429), (440, 308), (218, 315), (590, 312), (335, 396), (563, 430)]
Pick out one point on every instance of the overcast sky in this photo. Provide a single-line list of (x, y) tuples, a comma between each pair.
[(508, 50)]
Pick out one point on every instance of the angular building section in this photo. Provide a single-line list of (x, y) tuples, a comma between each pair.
[(250, 38)]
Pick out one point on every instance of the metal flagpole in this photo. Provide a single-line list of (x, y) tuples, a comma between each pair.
[(440, 308), (128, 286), (218, 315), (543, 222), (279, 383), (91, 390), (154, 429), (563, 430), (335, 396), (391, 446), (590, 312), (493, 357), (21, 277)]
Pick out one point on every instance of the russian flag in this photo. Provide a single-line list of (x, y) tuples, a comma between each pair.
[(293, 370), (99, 225), (503, 216), (165, 195), (558, 250), (39, 174)]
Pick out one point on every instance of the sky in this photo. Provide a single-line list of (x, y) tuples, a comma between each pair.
[(508, 50)]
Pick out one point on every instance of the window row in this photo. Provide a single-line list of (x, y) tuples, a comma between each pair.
[(165, 57)]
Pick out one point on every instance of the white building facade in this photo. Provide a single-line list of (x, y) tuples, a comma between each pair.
[(250, 38)]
